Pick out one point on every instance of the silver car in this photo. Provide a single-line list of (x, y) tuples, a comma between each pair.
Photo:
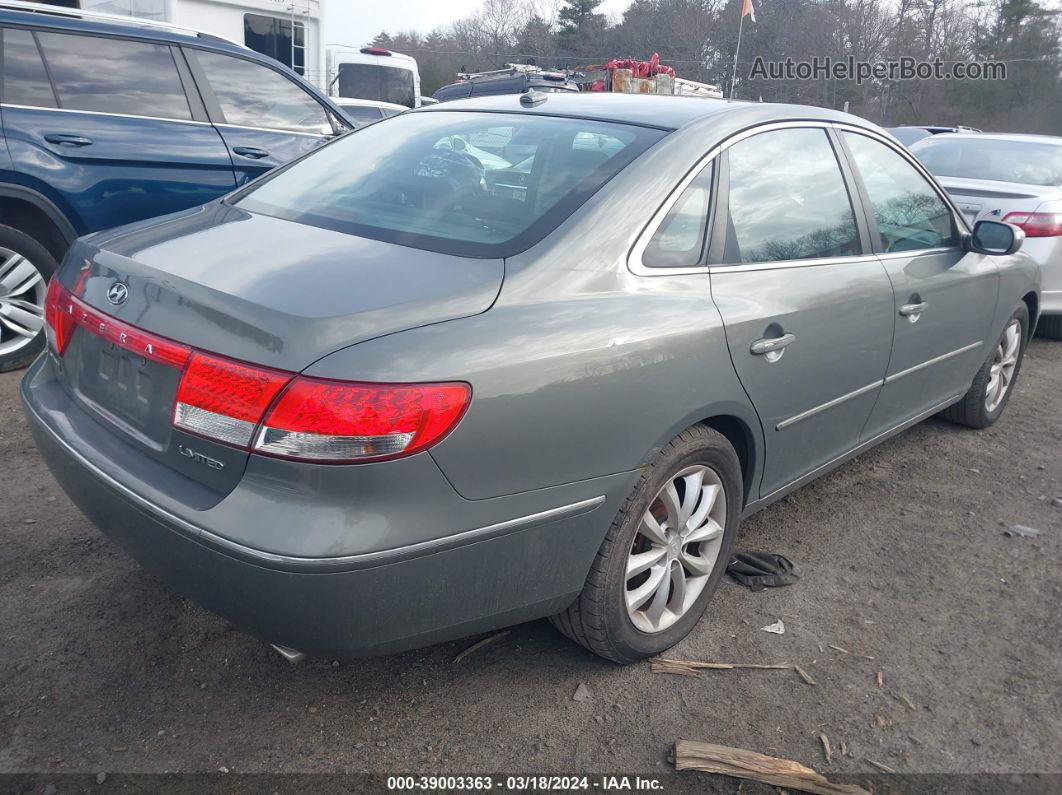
[(393, 394), (1013, 178)]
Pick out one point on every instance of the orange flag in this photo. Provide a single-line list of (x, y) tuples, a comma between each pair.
[(747, 10)]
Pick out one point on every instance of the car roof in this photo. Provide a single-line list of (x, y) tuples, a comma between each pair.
[(649, 110), (65, 20)]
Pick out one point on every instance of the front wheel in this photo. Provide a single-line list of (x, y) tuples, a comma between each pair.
[(664, 554), (25, 267), (993, 385)]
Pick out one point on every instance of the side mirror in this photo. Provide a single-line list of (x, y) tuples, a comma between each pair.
[(995, 238)]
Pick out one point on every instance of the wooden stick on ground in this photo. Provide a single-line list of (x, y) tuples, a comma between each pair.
[(826, 750), (477, 646), (881, 767), (737, 762), (804, 674), (664, 665)]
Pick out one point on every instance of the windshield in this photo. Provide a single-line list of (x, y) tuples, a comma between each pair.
[(1024, 162), (472, 184), (380, 83)]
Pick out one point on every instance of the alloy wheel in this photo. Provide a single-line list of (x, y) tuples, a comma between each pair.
[(1004, 364), (22, 291), (675, 548)]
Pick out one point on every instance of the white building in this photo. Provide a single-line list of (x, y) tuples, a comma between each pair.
[(288, 30)]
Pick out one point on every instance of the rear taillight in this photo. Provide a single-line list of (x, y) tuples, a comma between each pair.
[(1037, 224), (59, 315), (318, 420), (274, 412), (223, 399)]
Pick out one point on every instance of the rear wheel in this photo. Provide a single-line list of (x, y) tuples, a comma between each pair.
[(1050, 326), (25, 267), (991, 389), (664, 554)]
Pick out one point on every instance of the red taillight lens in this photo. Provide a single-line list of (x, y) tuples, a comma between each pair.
[(318, 420), (142, 343), (224, 399), (312, 419), (64, 312), (59, 315), (1037, 224)]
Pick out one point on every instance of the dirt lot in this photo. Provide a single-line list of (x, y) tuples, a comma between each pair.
[(903, 562)]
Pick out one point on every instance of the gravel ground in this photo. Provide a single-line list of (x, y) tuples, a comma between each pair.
[(948, 633)]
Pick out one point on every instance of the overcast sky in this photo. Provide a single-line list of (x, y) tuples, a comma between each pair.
[(355, 22)]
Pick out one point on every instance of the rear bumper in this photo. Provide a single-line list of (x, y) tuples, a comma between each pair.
[(1051, 302), (375, 602)]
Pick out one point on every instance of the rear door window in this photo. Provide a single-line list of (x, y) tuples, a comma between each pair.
[(910, 214), (459, 183), (107, 75), (788, 199), (253, 95), (679, 240), (25, 81)]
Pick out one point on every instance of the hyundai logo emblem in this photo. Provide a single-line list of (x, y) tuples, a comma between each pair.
[(117, 293)]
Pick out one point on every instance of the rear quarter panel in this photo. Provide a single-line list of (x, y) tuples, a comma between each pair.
[(1019, 276)]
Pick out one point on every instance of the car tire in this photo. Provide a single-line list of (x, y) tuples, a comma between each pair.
[(25, 268), (602, 618), (982, 404), (1050, 327)]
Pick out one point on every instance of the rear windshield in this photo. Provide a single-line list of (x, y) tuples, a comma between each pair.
[(1024, 162), (362, 114), (379, 83), (471, 184)]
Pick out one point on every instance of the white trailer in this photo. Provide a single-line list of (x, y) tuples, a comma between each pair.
[(373, 73), (288, 30)]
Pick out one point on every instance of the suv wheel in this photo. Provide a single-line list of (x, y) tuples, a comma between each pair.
[(25, 267), (664, 554)]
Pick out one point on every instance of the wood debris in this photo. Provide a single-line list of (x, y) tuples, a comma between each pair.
[(804, 674), (664, 665), (881, 767), (881, 722), (838, 648), (826, 750), (480, 644), (844, 748), (881, 679), (910, 704), (739, 763)]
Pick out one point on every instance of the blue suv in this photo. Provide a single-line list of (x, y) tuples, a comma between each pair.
[(107, 121)]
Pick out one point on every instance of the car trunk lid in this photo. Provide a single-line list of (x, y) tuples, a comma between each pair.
[(980, 200), (251, 288)]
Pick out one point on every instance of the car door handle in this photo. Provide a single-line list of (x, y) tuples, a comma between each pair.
[(913, 309), (250, 151), (67, 138), (771, 344)]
